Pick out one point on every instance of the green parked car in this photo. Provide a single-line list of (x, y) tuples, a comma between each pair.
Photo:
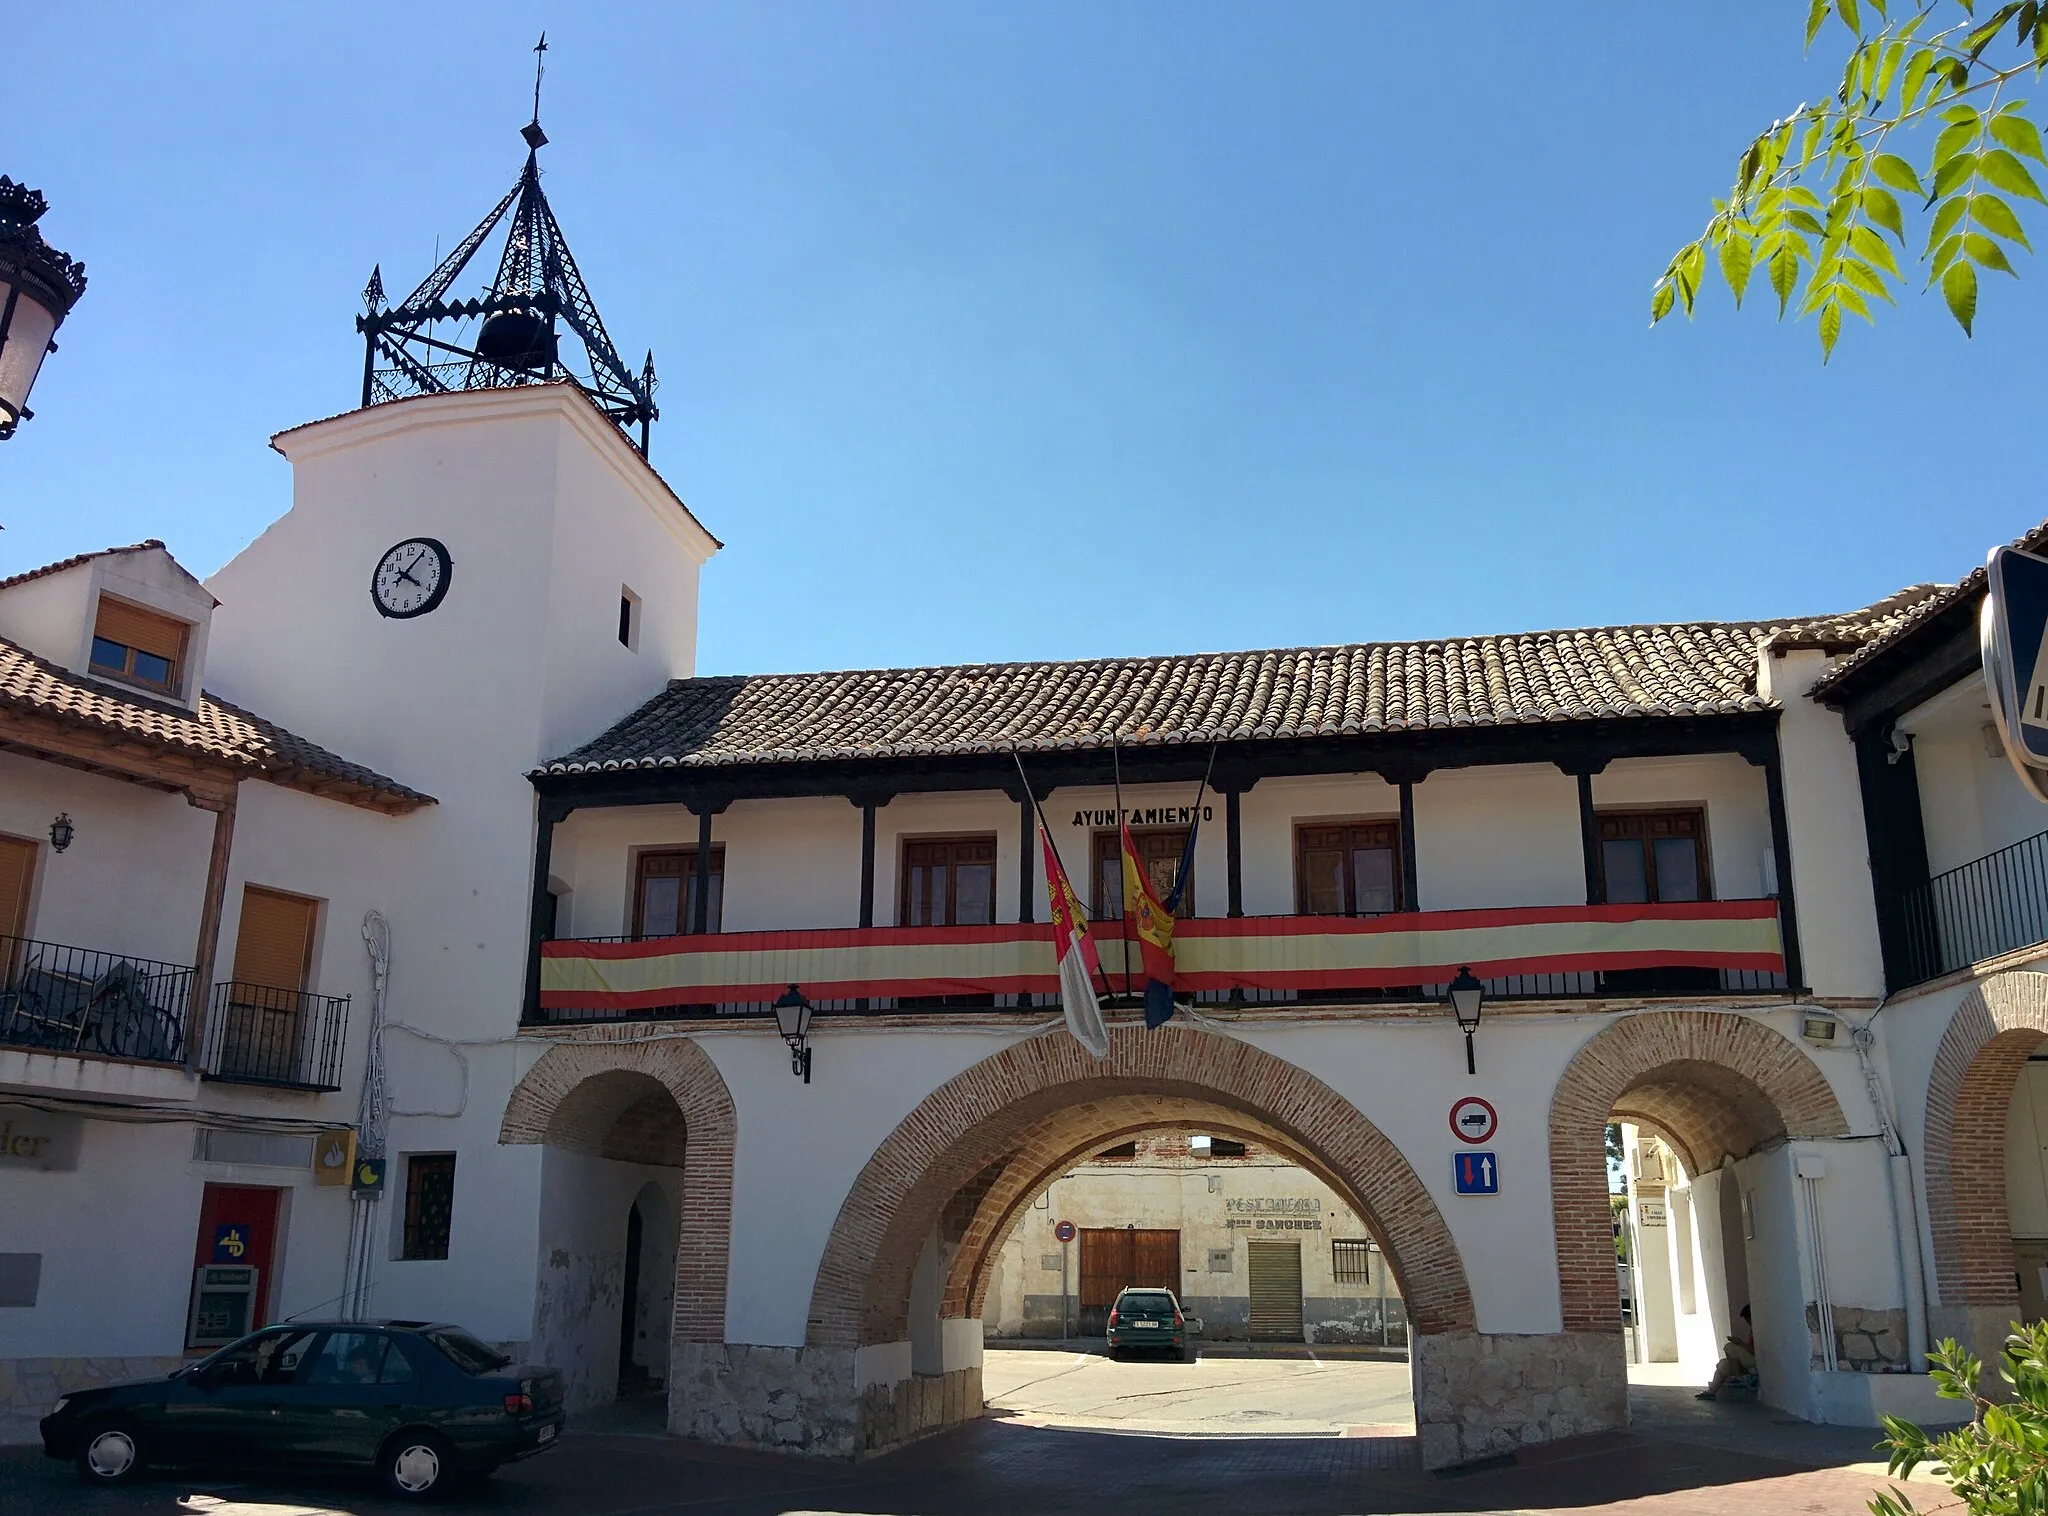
[(1147, 1318), (420, 1403)]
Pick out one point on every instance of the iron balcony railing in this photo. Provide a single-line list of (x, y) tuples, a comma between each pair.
[(80, 1000), (631, 986), (256, 1034), (1988, 906)]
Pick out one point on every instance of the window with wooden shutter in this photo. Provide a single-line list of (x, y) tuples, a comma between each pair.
[(1160, 851), (141, 646), (1653, 856), (1350, 868), (665, 892), (17, 873), (948, 881), (274, 947)]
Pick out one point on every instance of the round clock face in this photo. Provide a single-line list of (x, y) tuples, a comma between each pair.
[(411, 578)]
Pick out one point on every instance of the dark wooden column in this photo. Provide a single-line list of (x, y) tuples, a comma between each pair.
[(1897, 836), (1027, 882), (1781, 853), (551, 813), (1233, 838), (700, 908), (867, 863), (1411, 873), (1589, 842), (212, 906)]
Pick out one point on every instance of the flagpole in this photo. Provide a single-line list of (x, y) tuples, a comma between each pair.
[(1187, 861), (1117, 771), (1052, 842)]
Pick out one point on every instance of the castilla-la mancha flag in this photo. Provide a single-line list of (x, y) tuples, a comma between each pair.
[(1076, 954), (1152, 924)]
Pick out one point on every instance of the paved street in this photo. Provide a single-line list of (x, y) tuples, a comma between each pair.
[(1090, 1437)]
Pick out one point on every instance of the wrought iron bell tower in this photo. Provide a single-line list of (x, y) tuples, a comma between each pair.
[(534, 324)]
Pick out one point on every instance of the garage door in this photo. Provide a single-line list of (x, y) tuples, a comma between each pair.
[(1276, 1290)]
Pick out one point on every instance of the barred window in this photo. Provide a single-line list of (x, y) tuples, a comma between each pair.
[(1351, 1260), (429, 1204)]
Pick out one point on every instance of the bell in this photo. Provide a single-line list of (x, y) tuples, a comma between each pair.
[(517, 340)]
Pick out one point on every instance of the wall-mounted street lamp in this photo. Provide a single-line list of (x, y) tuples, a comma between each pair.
[(62, 831), (1467, 996), (793, 1020), (38, 287)]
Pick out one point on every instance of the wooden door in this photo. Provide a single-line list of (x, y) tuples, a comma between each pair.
[(1275, 1290), (17, 873), (263, 1023), (1119, 1258)]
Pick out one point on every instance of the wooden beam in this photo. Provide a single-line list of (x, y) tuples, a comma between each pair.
[(210, 910)]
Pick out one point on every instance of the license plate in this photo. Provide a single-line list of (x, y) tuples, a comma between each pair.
[(1148, 1326), (547, 1434)]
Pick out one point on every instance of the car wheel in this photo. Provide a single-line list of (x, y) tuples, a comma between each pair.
[(111, 1453), (417, 1465)]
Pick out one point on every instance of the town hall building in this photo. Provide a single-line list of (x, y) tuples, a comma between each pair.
[(394, 924)]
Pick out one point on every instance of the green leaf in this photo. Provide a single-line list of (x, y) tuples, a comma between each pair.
[(1873, 249), (1959, 289), (1853, 302), (1806, 222), (1950, 250), (1995, 216), (1953, 175), (1945, 221), (1915, 79), (1736, 256), (1896, 172), (1784, 271), (1830, 329), (1815, 19), (1882, 209), (1888, 69), (1846, 9), (1865, 278), (2006, 172), (1959, 137), (1986, 253), (2019, 134)]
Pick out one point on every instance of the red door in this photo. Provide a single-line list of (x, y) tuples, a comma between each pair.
[(238, 1224)]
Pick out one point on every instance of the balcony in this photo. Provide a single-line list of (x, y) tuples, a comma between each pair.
[(1537, 952), (58, 999), (286, 1039), (1990, 905)]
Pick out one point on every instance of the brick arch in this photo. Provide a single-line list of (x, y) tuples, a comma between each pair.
[(1715, 1081), (1070, 1137), (1977, 1064), (581, 1094), (1004, 1101)]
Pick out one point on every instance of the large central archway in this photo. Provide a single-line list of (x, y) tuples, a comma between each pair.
[(937, 1197)]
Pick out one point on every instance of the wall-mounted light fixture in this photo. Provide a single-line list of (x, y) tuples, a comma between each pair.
[(62, 831), (1467, 996), (793, 1021)]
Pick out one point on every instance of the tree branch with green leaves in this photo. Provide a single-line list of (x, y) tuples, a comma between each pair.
[(1997, 1462), (1816, 201)]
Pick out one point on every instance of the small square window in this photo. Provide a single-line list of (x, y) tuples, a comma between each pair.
[(137, 646), (1351, 1260)]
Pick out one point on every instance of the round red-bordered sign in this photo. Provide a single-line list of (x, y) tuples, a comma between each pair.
[(1473, 1120), (1064, 1231)]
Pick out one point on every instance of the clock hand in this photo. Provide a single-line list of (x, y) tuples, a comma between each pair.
[(408, 578)]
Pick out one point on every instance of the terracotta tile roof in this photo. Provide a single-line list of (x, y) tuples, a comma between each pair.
[(77, 558), (217, 732), (1695, 669), (1939, 598)]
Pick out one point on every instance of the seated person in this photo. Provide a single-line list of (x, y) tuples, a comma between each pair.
[(1738, 1358)]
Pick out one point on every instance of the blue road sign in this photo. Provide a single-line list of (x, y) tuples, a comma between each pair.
[(1475, 1173)]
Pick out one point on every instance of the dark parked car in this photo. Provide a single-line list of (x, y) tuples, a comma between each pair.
[(421, 1403), (1147, 1319)]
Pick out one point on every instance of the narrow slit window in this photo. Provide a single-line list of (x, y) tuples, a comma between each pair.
[(629, 618)]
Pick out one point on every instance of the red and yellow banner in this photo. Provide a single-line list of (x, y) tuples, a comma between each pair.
[(1251, 952)]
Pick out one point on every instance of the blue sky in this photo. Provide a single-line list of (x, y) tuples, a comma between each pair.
[(1052, 330)]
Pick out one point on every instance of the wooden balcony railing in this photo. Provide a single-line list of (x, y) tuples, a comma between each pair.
[(1728, 946), (62, 999), (256, 1034)]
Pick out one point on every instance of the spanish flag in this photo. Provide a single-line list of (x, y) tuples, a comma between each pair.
[(1152, 924)]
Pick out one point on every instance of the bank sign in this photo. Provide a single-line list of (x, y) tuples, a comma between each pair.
[(2014, 635)]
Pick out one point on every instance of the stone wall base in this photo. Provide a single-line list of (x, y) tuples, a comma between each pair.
[(803, 1400), (30, 1386), (1480, 1394)]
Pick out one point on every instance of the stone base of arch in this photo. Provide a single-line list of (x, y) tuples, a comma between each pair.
[(1477, 1394)]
